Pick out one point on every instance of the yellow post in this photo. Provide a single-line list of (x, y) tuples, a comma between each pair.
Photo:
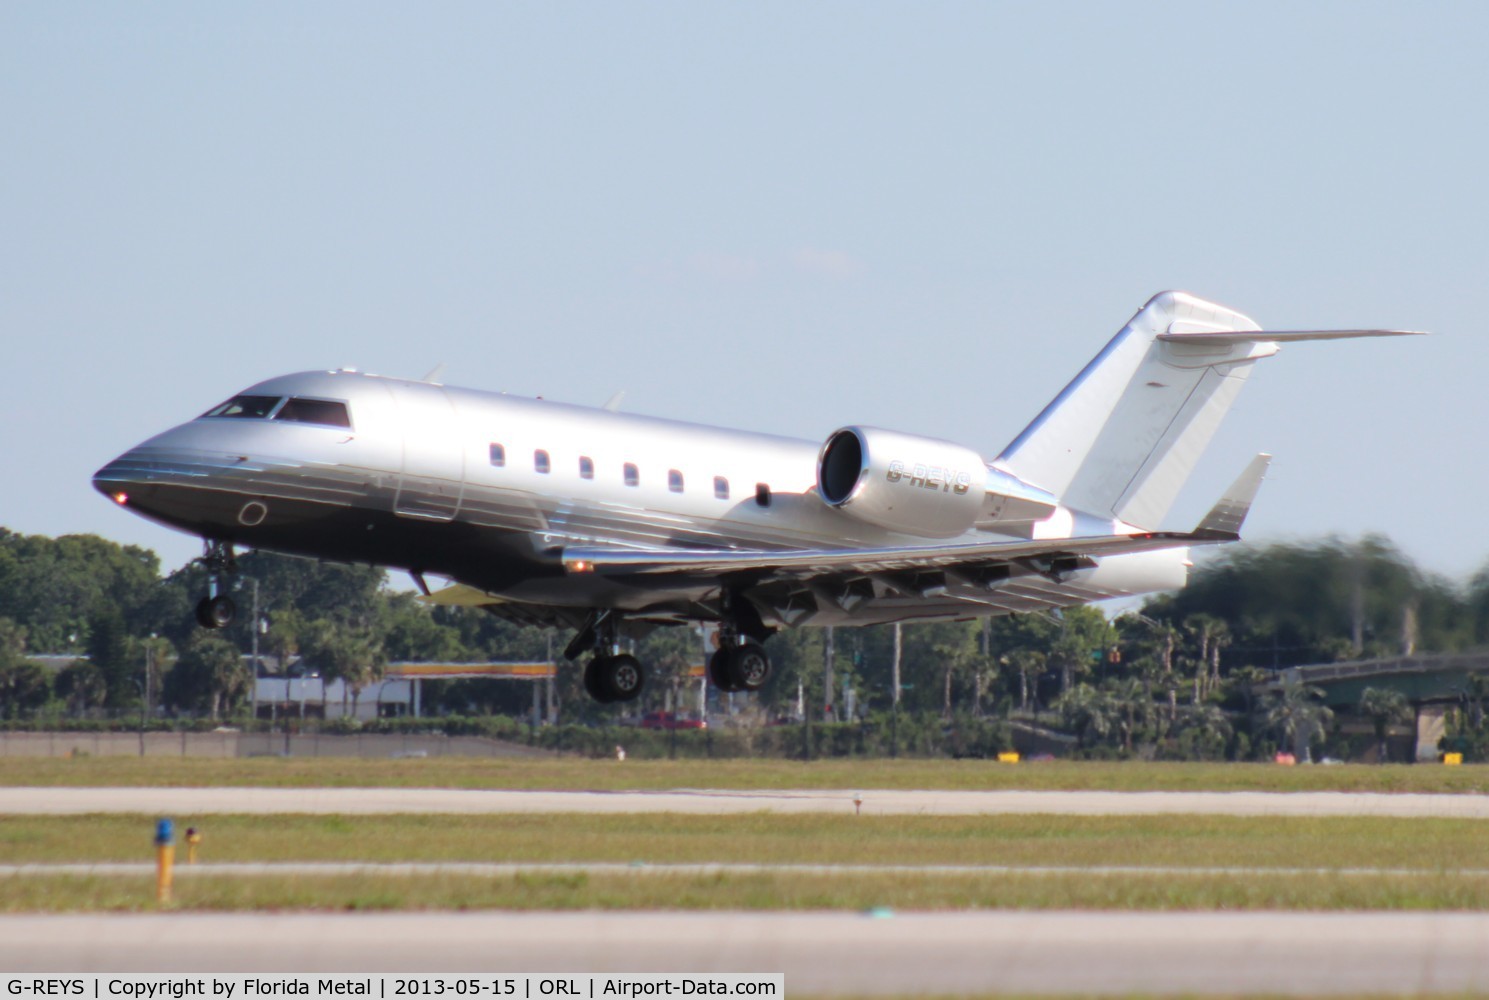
[(165, 859), (192, 839)]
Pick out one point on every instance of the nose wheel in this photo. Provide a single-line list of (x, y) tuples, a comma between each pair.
[(217, 610)]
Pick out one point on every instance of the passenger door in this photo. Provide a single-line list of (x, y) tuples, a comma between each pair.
[(433, 476)]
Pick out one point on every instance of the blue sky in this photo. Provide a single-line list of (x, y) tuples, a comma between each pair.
[(781, 216)]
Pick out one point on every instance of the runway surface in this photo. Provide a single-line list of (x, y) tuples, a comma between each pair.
[(823, 953), (18, 801), (485, 869)]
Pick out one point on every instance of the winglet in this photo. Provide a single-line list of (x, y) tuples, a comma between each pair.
[(1225, 518)]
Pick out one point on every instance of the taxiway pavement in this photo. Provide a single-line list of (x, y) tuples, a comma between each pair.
[(53, 801)]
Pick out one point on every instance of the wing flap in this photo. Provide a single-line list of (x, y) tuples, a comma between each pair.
[(818, 562)]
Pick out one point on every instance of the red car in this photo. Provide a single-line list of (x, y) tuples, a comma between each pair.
[(670, 720)]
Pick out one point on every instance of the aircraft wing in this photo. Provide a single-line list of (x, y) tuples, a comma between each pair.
[(806, 563), (1221, 524)]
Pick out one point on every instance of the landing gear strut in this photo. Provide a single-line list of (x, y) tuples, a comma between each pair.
[(217, 610), (741, 663), (612, 675)]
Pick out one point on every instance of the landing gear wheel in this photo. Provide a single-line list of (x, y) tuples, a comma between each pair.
[(593, 682), (623, 677), (719, 673), (609, 679), (216, 612), (749, 666)]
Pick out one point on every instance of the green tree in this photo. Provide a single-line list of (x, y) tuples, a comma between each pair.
[(80, 686), (24, 685), (209, 677), (55, 586), (1292, 604), (1296, 714), (342, 652), (1384, 706), (1090, 713), (108, 650), (1085, 636)]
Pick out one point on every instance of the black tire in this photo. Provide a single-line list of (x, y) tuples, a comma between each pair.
[(216, 612), (749, 666), (594, 672), (720, 674), (623, 677)]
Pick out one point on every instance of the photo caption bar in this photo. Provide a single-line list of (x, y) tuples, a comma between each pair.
[(516, 985)]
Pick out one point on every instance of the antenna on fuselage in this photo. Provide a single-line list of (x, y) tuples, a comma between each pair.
[(613, 403), (433, 374)]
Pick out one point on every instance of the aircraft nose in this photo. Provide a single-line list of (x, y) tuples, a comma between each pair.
[(120, 478)]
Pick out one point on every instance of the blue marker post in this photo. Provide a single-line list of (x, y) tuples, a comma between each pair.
[(165, 858)]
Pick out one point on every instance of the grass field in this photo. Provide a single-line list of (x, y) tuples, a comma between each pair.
[(1178, 841), (1440, 851), (764, 891), (465, 772)]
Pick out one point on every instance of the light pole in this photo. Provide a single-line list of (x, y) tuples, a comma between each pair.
[(894, 695)]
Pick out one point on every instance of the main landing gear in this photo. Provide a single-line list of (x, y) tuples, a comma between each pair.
[(217, 610), (739, 665), (610, 676)]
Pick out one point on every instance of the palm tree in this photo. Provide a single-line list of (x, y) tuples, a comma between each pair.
[(1133, 703), (1296, 713), (1384, 706), (1090, 713), (1026, 663), (1203, 731), (1213, 635)]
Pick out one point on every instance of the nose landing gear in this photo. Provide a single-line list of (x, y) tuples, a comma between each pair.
[(217, 610)]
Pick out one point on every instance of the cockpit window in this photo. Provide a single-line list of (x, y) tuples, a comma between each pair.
[(314, 411), (252, 407)]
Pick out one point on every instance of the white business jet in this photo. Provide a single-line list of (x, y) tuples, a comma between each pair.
[(612, 524)]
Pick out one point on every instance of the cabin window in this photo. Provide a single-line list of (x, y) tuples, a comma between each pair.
[(540, 461), (632, 474), (674, 480), (498, 455), (325, 412), (762, 494), (245, 407), (586, 467), (721, 487)]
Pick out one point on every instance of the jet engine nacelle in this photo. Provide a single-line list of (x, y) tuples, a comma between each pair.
[(920, 486)]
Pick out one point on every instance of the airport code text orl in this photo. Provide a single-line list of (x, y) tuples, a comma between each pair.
[(524, 986)]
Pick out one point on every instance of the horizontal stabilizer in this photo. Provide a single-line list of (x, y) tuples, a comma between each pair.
[(1225, 518), (1122, 438), (1185, 334)]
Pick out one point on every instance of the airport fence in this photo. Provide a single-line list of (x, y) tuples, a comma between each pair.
[(907, 735)]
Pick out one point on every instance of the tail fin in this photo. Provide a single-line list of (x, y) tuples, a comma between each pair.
[(1122, 438)]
